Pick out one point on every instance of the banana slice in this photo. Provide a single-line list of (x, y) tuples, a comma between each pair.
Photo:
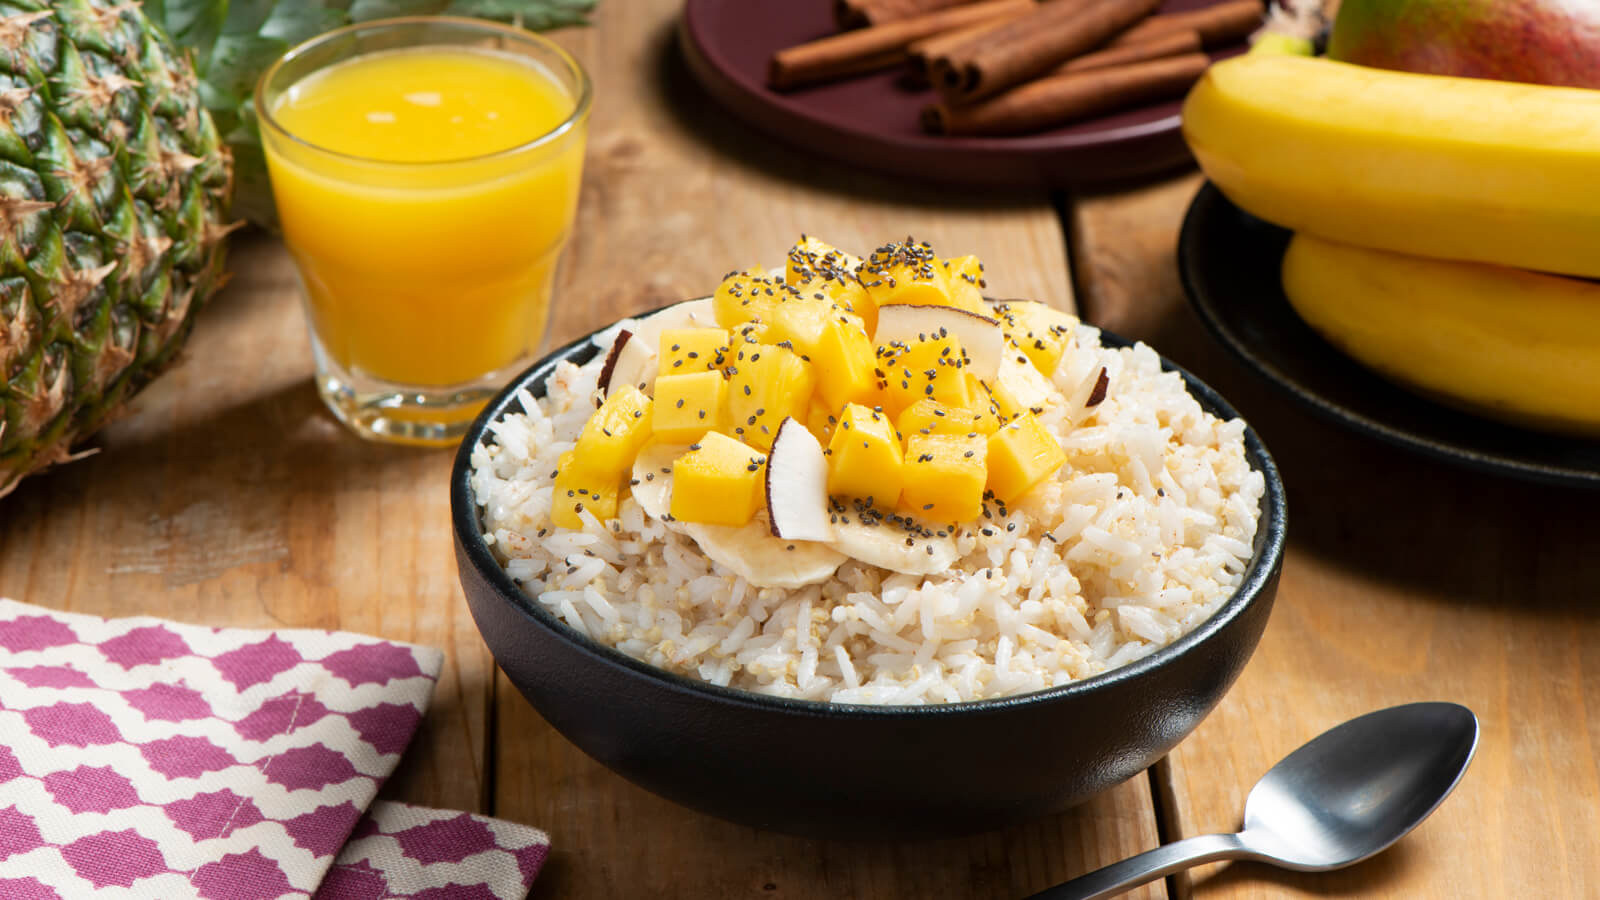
[(885, 545), (749, 550), (652, 478)]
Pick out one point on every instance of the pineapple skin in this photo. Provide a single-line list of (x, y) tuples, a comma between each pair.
[(114, 188)]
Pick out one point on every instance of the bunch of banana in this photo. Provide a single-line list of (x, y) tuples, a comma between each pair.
[(1439, 221)]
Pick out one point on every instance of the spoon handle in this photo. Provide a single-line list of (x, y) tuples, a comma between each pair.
[(1147, 866)]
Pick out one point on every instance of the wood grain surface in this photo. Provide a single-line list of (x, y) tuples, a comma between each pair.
[(675, 194), (226, 495), (1405, 580)]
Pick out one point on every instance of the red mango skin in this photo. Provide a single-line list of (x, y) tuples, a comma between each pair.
[(1536, 41)]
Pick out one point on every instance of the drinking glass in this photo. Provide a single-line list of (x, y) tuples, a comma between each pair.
[(426, 281)]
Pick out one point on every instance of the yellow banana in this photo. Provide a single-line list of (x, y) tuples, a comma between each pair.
[(1453, 168), (1507, 343)]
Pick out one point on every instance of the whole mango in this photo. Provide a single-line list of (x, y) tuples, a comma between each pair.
[(1535, 41)]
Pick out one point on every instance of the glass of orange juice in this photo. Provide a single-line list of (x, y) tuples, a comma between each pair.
[(426, 174)]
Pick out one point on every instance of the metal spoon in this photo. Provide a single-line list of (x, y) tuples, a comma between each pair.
[(1345, 796)]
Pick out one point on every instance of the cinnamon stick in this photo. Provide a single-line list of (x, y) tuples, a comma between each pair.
[(924, 52), (1219, 25), (1173, 43), (882, 12), (859, 51), (1033, 45), (1060, 99)]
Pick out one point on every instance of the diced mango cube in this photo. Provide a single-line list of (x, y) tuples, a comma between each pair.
[(799, 320), (810, 258), (766, 384), (720, 481), (852, 296), (1021, 454), (964, 282), (687, 406), (1005, 402), (864, 457), (821, 419), (692, 349), (905, 273), (816, 268), (837, 346), (943, 476), (1042, 332), (577, 488), (613, 435), (933, 367), (744, 297), (747, 333), (929, 416)]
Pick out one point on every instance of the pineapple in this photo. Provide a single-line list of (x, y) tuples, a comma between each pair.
[(113, 210)]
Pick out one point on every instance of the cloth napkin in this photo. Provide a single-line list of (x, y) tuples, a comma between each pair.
[(141, 758)]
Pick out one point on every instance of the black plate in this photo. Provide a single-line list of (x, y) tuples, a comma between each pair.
[(1229, 261)]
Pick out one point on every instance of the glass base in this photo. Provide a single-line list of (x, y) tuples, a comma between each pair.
[(402, 414)]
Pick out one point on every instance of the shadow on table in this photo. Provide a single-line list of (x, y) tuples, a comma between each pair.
[(1455, 534), (683, 854), (1460, 535), (729, 139)]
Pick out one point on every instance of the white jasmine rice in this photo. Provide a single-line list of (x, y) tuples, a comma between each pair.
[(1143, 534)]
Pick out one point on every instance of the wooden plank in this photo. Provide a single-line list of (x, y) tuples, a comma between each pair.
[(676, 194), (227, 495), (1405, 580), (612, 839)]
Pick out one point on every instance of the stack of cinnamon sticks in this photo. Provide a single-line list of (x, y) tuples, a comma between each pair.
[(1004, 67)]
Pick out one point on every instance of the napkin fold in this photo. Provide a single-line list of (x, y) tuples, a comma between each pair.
[(145, 758)]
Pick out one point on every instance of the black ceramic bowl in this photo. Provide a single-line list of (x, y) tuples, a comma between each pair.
[(860, 771)]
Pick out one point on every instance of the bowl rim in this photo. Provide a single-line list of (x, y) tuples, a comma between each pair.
[(1266, 559)]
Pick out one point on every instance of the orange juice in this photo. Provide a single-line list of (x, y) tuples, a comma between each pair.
[(426, 194)]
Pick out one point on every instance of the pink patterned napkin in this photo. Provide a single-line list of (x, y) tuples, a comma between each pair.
[(143, 758)]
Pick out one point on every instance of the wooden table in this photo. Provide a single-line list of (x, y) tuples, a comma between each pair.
[(228, 496)]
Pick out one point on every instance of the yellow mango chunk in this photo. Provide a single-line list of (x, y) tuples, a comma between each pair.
[(929, 416), (1042, 332), (905, 273), (1021, 454), (720, 481), (931, 368), (766, 384), (864, 457), (799, 320), (577, 488), (816, 268), (687, 406), (944, 476), (964, 282), (1005, 403), (821, 419), (692, 349), (835, 342), (744, 297), (810, 258), (748, 333), (613, 435)]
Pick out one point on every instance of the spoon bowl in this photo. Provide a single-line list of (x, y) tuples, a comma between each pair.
[(1348, 794), (1360, 786)]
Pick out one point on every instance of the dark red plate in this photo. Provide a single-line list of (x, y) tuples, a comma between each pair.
[(872, 120)]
